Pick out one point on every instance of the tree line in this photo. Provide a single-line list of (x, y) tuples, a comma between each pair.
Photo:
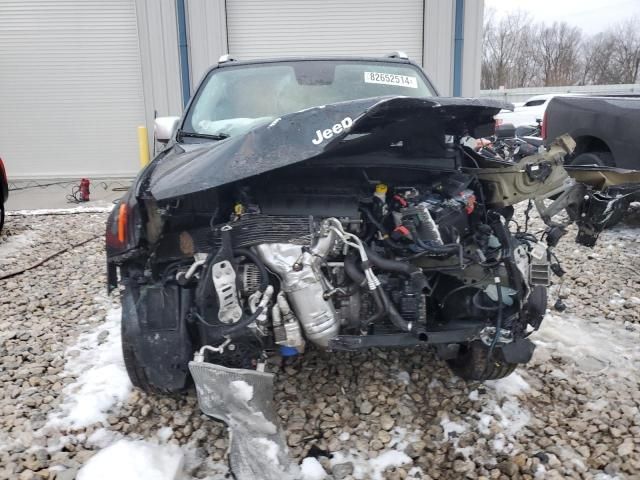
[(518, 52)]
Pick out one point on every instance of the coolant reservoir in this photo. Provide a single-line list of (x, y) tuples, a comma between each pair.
[(381, 192)]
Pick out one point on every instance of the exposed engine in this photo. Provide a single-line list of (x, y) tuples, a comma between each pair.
[(347, 265)]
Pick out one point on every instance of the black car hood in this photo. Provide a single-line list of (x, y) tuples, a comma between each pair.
[(296, 137)]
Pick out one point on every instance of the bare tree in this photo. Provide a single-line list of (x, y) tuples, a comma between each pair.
[(559, 53), (520, 53), (596, 62), (613, 56), (626, 56), (507, 43)]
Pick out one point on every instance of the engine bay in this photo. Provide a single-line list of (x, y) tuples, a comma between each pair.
[(357, 258)]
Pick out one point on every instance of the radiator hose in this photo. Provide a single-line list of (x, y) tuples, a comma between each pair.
[(357, 276)]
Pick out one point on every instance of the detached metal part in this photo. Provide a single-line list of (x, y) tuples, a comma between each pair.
[(594, 197), (243, 399), (536, 176)]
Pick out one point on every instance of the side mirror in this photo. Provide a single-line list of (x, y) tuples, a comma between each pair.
[(164, 128)]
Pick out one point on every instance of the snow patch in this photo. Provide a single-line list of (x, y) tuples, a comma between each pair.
[(271, 449), (134, 460), (241, 390), (373, 468), (512, 416), (513, 385), (452, 427), (388, 459), (102, 437), (310, 469), (102, 381), (15, 243), (589, 346), (60, 211)]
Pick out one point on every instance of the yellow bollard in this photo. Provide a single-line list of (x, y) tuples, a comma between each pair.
[(143, 145)]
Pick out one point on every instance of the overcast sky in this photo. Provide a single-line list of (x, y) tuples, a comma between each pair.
[(591, 15)]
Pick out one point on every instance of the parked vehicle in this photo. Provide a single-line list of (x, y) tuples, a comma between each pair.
[(4, 192), (605, 129), (329, 204), (531, 112)]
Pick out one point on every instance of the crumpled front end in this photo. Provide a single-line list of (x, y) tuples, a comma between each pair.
[(366, 224)]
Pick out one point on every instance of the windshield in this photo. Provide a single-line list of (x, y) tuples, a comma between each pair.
[(233, 100)]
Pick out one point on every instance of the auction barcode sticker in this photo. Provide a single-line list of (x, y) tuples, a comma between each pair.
[(391, 79)]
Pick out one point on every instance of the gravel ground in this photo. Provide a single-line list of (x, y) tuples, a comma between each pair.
[(572, 413)]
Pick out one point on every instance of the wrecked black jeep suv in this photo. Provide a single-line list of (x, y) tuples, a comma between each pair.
[(336, 204), (326, 203)]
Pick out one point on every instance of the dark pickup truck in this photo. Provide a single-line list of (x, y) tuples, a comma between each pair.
[(605, 129)]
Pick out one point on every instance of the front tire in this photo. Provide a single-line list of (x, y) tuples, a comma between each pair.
[(471, 363), (156, 359), (1, 216)]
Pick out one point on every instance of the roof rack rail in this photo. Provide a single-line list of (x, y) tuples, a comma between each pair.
[(226, 58), (398, 54)]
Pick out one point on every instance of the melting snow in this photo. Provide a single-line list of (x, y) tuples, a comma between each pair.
[(102, 437), (134, 460), (61, 211), (373, 469), (590, 346), (15, 243), (513, 385), (390, 458), (241, 390), (270, 450), (102, 381), (312, 470)]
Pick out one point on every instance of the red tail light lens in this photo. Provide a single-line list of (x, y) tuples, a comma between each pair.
[(543, 127)]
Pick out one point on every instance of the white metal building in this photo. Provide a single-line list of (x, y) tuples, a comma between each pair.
[(78, 76)]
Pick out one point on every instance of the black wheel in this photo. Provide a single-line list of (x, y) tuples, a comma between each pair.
[(156, 361), (135, 370), (471, 363), (1, 215), (603, 159)]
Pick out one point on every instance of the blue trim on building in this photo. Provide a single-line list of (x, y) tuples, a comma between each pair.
[(458, 48), (183, 49)]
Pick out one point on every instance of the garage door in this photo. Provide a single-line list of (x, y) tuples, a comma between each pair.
[(70, 87), (275, 28)]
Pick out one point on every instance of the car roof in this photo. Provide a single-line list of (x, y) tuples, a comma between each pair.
[(548, 96), (336, 58)]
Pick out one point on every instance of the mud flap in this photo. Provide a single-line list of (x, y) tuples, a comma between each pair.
[(243, 399)]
